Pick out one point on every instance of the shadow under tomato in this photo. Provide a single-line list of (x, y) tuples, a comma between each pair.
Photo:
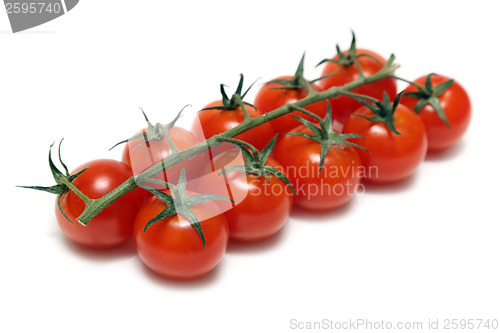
[(399, 186), (198, 282), (329, 215), (124, 251), (237, 247), (448, 154)]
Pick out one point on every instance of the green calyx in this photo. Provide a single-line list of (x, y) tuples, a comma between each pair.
[(236, 100), (156, 132), (325, 135), (298, 81), (63, 181), (429, 94), (178, 202), (255, 161), (350, 57), (383, 110)]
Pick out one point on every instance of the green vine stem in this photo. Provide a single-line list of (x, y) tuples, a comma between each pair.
[(95, 206), (82, 196)]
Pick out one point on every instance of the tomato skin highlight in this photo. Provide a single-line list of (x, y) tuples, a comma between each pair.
[(343, 106), (141, 157), (392, 157), (112, 226), (260, 208), (208, 123), (172, 247), (334, 186), (456, 106), (269, 98)]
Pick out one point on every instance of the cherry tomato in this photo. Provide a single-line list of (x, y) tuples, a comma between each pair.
[(456, 106), (261, 207), (391, 157), (141, 156), (173, 248), (112, 226), (318, 191), (343, 106), (208, 123), (270, 98)]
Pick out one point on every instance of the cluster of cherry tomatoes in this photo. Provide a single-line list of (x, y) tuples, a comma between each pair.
[(313, 158)]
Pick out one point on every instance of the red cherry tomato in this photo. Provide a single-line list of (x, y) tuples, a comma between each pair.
[(141, 156), (173, 248), (112, 226), (391, 157), (318, 191), (270, 98), (208, 123), (456, 106), (343, 106), (260, 209)]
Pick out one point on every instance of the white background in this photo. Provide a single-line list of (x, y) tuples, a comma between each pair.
[(424, 249)]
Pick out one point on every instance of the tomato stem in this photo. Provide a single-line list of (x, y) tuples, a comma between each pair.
[(355, 95), (418, 86), (239, 101), (164, 131), (309, 113), (252, 149), (95, 206), (65, 181)]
